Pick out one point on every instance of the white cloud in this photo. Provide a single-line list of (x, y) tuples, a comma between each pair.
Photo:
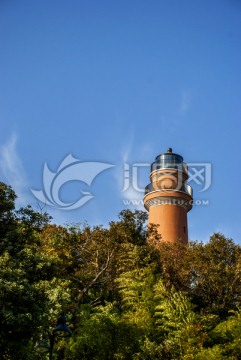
[(127, 148), (185, 102), (119, 169), (174, 119), (12, 171)]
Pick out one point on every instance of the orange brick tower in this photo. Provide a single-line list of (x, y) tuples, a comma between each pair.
[(168, 198)]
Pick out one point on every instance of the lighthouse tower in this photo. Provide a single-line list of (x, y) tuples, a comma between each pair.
[(168, 198)]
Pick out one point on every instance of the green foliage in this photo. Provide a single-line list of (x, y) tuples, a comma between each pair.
[(209, 273), (136, 289), (174, 309), (7, 197), (23, 271), (225, 339), (101, 335), (215, 275), (127, 294)]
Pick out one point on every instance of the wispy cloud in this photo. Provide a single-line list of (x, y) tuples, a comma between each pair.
[(125, 154), (127, 147), (129, 174), (12, 171), (174, 120), (185, 102), (123, 175)]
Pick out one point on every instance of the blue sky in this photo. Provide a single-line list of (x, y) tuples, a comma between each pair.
[(119, 82)]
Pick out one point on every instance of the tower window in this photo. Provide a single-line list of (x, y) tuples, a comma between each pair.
[(184, 229)]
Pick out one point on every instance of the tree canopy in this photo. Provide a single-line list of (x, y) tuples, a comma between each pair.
[(126, 294)]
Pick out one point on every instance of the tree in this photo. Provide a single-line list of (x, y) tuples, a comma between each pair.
[(209, 273), (24, 272), (223, 341), (215, 275), (102, 334), (127, 294)]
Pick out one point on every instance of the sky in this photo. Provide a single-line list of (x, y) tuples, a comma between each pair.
[(92, 91)]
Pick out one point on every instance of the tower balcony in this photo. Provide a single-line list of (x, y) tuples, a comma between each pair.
[(187, 189)]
